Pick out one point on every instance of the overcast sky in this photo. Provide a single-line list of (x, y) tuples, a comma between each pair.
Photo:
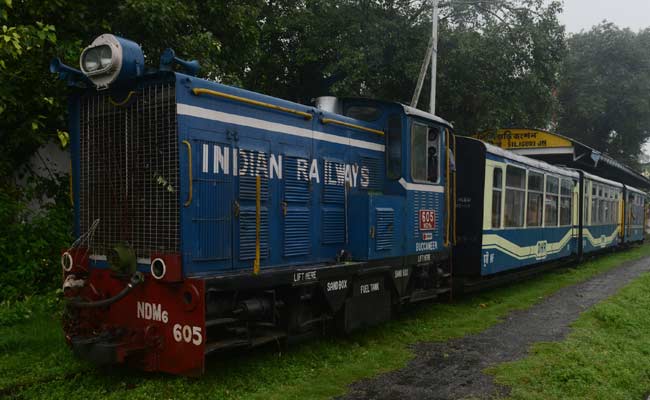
[(583, 14)]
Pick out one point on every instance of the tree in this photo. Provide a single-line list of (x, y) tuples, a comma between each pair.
[(498, 61), (604, 90)]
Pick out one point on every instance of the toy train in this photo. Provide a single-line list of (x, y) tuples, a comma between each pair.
[(212, 218)]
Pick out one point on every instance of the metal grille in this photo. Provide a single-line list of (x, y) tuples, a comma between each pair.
[(129, 171)]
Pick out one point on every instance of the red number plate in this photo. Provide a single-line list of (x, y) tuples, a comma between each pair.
[(427, 220)]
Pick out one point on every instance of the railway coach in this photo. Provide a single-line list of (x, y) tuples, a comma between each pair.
[(515, 213)]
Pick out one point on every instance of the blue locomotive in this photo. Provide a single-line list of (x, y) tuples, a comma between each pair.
[(211, 217)]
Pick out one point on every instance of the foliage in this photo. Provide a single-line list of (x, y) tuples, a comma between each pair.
[(499, 65), (605, 357), (604, 90), (31, 242), (498, 62), (35, 363)]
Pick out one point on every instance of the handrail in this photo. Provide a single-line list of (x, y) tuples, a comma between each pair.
[(189, 157), (199, 91), (353, 126)]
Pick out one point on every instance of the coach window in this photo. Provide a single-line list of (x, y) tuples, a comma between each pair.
[(497, 189), (602, 205), (605, 206), (425, 143), (535, 199), (585, 204), (551, 201), (594, 204), (566, 189), (515, 195), (394, 147)]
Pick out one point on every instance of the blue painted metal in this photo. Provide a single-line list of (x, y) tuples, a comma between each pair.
[(304, 211), (132, 60), (522, 247)]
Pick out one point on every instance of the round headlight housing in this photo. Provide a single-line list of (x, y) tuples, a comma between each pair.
[(110, 58)]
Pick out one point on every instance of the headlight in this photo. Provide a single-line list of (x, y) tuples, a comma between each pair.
[(97, 60), (110, 58)]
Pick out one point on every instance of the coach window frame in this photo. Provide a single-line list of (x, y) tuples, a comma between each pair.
[(497, 189), (594, 204), (564, 196), (413, 148), (557, 200), (539, 193), (517, 191)]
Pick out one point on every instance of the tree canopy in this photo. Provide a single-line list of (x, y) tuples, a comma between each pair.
[(500, 64), (605, 90)]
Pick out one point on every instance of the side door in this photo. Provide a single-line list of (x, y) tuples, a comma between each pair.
[(253, 161), (210, 207)]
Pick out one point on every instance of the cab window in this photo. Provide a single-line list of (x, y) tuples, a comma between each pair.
[(394, 147), (425, 146)]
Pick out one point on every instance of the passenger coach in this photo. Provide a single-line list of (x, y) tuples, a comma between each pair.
[(512, 211)]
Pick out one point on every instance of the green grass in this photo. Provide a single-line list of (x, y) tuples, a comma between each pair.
[(606, 356), (35, 363)]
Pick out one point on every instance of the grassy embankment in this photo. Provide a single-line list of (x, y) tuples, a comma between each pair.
[(606, 356), (35, 363)]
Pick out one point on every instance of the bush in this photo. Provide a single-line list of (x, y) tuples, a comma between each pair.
[(31, 241)]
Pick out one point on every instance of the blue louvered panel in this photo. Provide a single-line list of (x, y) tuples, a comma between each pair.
[(333, 225), (333, 182), (385, 221), (296, 186), (371, 170), (296, 232), (252, 163), (247, 233)]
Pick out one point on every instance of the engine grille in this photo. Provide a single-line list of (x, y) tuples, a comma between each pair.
[(129, 171)]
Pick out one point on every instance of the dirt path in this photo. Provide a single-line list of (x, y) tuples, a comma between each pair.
[(453, 369)]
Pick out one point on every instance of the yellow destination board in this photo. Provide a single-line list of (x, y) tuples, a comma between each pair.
[(523, 139)]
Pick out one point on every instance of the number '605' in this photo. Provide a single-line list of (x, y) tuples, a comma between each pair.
[(187, 334)]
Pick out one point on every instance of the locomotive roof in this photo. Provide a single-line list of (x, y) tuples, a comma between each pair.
[(527, 160), (408, 110)]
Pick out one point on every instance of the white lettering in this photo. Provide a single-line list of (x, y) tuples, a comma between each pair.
[(261, 168), (426, 246), (276, 166), (301, 170), (243, 170), (151, 312), (187, 334), (221, 160), (313, 171), (337, 285), (365, 176), (340, 174), (206, 154), (235, 162)]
